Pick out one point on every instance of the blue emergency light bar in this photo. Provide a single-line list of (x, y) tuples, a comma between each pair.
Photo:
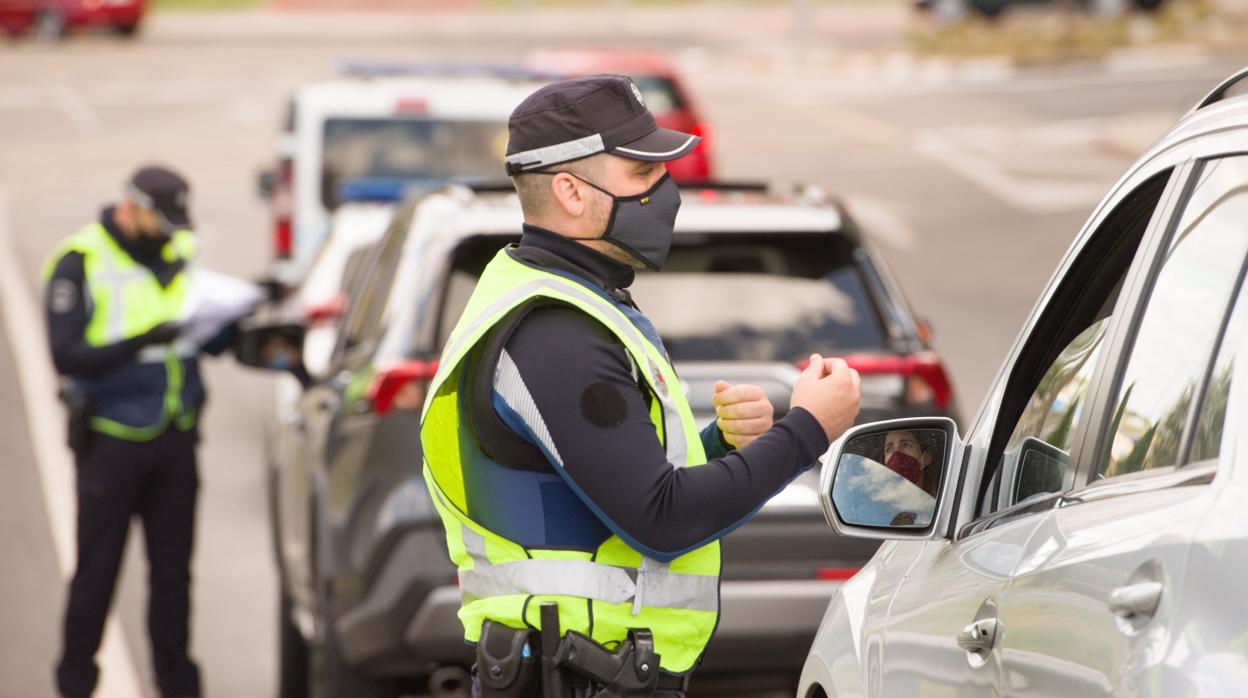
[(395, 189)]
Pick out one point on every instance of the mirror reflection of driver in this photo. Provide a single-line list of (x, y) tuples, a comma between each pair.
[(912, 458)]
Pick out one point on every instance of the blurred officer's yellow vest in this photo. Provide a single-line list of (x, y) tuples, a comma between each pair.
[(506, 582), (161, 386)]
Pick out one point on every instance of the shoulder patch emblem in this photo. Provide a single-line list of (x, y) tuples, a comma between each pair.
[(657, 378), (62, 296)]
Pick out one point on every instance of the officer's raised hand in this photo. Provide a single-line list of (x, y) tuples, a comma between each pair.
[(829, 390), (743, 412), (163, 333)]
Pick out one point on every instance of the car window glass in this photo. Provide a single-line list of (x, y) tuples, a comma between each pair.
[(1045, 400), (1181, 321), (825, 306), (1207, 442), (372, 288), (1038, 452), (407, 151), (660, 94)]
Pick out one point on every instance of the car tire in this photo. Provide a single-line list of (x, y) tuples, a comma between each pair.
[(50, 25), (127, 31), (292, 676)]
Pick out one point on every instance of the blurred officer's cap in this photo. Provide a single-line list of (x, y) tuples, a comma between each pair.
[(164, 192), (573, 119)]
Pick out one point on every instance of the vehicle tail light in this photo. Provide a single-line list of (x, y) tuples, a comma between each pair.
[(283, 227), (281, 237), (402, 386), (328, 311), (924, 375), (704, 130), (835, 574), (411, 105)]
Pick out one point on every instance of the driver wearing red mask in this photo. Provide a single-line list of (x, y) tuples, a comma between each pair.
[(905, 455)]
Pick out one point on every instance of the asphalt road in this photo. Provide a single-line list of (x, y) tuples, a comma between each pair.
[(971, 183)]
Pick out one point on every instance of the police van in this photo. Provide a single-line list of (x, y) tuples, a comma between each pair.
[(377, 129)]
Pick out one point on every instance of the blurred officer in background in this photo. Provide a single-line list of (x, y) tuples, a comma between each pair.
[(582, 504), (114, 291)]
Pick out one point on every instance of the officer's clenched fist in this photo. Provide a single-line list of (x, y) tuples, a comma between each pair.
[(829, 390), (743, 412)]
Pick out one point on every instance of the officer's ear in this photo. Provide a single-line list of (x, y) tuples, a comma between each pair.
[(569, 194)]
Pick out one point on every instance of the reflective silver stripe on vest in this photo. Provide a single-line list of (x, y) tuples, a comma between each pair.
[(115, 280), (677, 451), (156, 353), (656, 585)]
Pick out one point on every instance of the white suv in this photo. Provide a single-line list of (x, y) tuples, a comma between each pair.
[(1086, 536)]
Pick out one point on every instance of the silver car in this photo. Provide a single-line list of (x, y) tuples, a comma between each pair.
[(1087, 534)]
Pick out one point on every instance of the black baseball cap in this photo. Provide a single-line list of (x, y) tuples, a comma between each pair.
[(573, 119), (164, 192)]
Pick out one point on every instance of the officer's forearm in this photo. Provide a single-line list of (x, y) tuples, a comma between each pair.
[(665, 511), (80, 359)]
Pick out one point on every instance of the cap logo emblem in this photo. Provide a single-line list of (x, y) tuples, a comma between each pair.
[(637, 93)]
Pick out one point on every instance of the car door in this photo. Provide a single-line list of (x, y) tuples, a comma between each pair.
[(302, 485), (1090, 608), (944, 624)]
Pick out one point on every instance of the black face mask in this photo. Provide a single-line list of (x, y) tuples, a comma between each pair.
[(642, 225), (149, 246)]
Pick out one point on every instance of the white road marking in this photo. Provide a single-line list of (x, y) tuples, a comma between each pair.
[(1028, 194), (882, 222), (118, 677), (75, 108)]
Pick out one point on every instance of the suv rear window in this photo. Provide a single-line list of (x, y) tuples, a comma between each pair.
[(766, 297), (660, 94), (415, 150)]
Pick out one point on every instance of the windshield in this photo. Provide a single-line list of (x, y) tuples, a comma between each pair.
[(413, 150)]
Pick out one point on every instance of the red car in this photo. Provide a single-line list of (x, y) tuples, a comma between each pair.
[(659, 84), (50, 19)]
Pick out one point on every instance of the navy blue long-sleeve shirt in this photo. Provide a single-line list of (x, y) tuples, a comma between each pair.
[(580, 379)]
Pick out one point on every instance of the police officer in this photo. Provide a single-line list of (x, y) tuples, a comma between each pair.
[(114, 290), (579, 497)]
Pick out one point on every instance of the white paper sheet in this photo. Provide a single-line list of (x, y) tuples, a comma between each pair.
[(213, 302)]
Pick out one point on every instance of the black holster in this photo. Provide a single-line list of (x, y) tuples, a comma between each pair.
[(631, 671), (78, 410), (507, 662)]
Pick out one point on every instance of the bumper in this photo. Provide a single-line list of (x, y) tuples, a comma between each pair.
[(766, 626), (408, 618)]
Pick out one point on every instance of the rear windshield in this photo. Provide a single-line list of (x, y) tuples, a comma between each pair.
[(415, 150), (660, 94), (769, 297)]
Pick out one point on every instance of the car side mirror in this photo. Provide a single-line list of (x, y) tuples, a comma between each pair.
[(266, 183), (893, 479), (272, 346), (1032, 468)]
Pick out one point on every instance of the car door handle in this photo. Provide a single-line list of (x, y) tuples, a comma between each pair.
[(978, 636), (1135, 600)]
